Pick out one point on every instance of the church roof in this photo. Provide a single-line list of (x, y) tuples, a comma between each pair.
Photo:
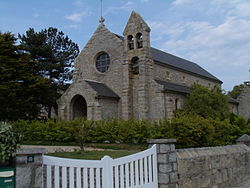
[(102, 90), (179, 63), (168, 86)]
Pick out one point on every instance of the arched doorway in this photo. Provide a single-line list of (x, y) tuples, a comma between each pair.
[(79, 107)]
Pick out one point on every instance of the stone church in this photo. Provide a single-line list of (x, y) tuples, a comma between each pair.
[(124, 77), (241, 105)]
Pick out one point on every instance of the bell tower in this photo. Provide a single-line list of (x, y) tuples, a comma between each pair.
[(137, 68)]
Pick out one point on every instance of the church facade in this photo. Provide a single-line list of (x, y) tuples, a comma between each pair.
[(124, 77)]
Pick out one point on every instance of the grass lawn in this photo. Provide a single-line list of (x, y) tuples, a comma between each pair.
[(92, 155), (112, 146)]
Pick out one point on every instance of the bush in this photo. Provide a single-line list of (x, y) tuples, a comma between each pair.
[(8, 142), (82, 132), (225, 133), (193, 131), (190, 130), (47, 131), (163, 129)]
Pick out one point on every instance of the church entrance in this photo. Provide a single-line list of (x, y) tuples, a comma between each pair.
[(79, 107)]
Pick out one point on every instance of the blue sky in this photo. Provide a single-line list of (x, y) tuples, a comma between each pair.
[(212, 33)]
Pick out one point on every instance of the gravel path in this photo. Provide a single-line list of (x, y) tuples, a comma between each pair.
[(53, 149)]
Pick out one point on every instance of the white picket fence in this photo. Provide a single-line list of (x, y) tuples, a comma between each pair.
[(134, 171)]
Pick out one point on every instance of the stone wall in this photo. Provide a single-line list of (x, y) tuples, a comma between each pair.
[(109, 108), (29, 171), (165, 73), (244, 102), (215, 167)]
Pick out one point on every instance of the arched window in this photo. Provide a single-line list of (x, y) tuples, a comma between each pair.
[(139, 40), (102, 62), (135, 65), (130, 42)]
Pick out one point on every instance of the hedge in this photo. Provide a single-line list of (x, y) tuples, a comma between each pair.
[(189, 130)]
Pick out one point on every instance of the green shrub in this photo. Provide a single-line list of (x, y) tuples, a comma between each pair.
[(193, 131), (163, 129), (225, 133), (8, 142), (190, 130), (82, 132)]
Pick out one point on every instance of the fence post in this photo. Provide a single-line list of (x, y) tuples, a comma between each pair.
[(107, 172), (29, 170), (166, 162)]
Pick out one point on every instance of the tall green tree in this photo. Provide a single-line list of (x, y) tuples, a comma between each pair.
[(237, 90), (208, 103), (53, 54), (21, 90)]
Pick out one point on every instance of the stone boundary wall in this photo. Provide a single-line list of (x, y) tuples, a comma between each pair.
[(213, 167)]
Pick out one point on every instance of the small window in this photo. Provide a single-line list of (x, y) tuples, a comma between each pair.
[(183, 79), (130, 42), (102, 62), (135, 65), (167, 74), (176, 104), (139, 40)]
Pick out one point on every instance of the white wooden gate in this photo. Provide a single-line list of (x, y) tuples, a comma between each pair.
[(134, 171)]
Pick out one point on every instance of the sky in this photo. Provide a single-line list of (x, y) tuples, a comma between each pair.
[(215, 34)]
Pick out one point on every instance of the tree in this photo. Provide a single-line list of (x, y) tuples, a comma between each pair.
[(208, 103), (237, 90), (20, 89), (53, 54)]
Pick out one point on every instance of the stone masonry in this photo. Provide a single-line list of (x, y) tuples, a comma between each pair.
[(244, 101), (29, 171), (215, 167), (166, 162), (209, 167), (155, 90)]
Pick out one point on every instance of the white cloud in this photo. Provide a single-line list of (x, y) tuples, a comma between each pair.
[(242, 9), (145, 1), (128, 6), (227, 44), (218, 38), (78, 16)]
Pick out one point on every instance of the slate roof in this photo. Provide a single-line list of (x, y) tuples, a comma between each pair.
[(119, 36), (102, 90), (167, 86), (179, 63)]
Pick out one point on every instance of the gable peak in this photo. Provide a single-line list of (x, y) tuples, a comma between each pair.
[(136, 22)]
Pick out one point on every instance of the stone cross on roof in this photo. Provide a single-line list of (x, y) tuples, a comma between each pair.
[(102, 20)]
